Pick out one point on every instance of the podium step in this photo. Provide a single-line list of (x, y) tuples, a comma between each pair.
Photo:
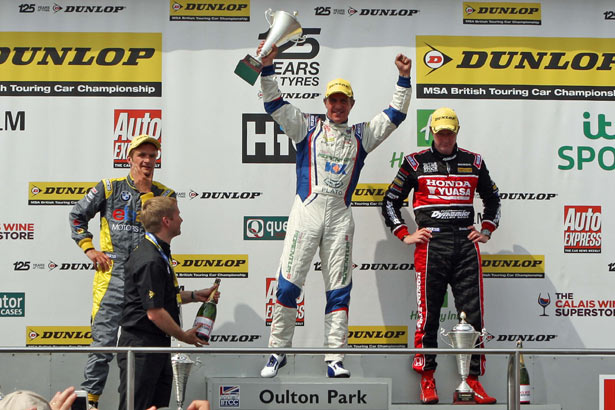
[(286, 393), (473, 407)]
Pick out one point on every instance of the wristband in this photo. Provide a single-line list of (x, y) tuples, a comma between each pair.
[(88, 249), (486, 232), (192, 296)]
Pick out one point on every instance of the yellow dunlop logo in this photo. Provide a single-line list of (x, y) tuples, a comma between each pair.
[(501, 13), (58, 335), (208, 10), (370, 195), (57, 193), (211, 266), (78, 64), (513, 266), (539, 68), (378, 336)]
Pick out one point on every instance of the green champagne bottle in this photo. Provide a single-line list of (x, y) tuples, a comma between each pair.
[(525, 389), (206, 316)]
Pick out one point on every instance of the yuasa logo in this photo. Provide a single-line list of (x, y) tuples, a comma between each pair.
[(128, 124), (582, 229)]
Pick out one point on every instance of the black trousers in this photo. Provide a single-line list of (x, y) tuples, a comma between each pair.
[(153, 375), (449, 258)]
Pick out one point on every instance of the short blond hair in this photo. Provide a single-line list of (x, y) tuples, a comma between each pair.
[(154, 209)]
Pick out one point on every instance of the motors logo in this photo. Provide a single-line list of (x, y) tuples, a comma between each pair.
[(58, 335), (128, 124), (271, 287), (12, 304), (57, 193), (377, 336), (17, 231), (90, 64), (593, 130), (211, 266), (513, 266), (264, 227), (501, 13), (582, 229), (515, 68), (208, 10), (370, 194)]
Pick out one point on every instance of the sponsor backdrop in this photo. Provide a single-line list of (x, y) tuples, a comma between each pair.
[(534, 96)]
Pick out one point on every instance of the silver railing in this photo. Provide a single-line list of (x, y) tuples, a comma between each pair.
[(513, 368)]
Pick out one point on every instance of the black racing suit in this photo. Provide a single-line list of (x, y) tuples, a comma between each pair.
[(444, 188)]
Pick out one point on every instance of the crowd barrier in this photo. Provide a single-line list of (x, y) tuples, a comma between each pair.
[(513, 367)]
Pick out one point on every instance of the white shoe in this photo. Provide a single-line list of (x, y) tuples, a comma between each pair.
[(336, 369), (274, 362)]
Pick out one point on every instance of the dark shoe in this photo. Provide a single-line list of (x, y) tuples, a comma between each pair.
[(429, 394), (480, 395)]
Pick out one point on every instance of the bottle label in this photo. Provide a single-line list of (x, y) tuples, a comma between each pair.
[(525, 393), (204, 325)]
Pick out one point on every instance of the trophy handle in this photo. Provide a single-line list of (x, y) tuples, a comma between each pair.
[(299, 40), (443, 335), (268, 13), (484, 337)]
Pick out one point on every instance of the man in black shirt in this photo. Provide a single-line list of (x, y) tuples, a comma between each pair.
[(152, 299)]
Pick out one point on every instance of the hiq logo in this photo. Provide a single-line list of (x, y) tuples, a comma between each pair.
[(337, 169), (264, 227)]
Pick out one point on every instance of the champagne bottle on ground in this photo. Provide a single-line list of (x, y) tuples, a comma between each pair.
[(206, 316), (525, 388)]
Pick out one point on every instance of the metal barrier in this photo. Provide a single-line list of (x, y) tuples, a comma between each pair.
[(513, 368)]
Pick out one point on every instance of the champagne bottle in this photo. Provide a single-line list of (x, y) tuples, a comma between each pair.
[(525, 389), (206, 316)]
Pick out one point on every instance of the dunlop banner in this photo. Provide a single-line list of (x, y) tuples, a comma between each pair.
[(211, 266), (81, 64), (58, 336), (513, 266), (57, 193), (513, 68), (202, 10)]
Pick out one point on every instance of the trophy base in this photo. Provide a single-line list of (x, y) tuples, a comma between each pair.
[(463, 397), (249, 69)]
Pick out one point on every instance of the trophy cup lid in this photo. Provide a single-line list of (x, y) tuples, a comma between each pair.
[(463, 326), (181, 358)]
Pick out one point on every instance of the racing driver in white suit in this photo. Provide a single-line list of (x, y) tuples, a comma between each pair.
[(330, 155)]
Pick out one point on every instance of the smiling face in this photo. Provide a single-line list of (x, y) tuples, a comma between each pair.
[(338, 107), (143, 159)]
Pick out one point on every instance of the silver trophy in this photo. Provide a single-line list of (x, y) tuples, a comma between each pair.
[(463, 336), (283, 27), (182, 364)]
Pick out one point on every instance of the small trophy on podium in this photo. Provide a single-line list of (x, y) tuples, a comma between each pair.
[(463, 336), (182, 364), (283, 27)]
